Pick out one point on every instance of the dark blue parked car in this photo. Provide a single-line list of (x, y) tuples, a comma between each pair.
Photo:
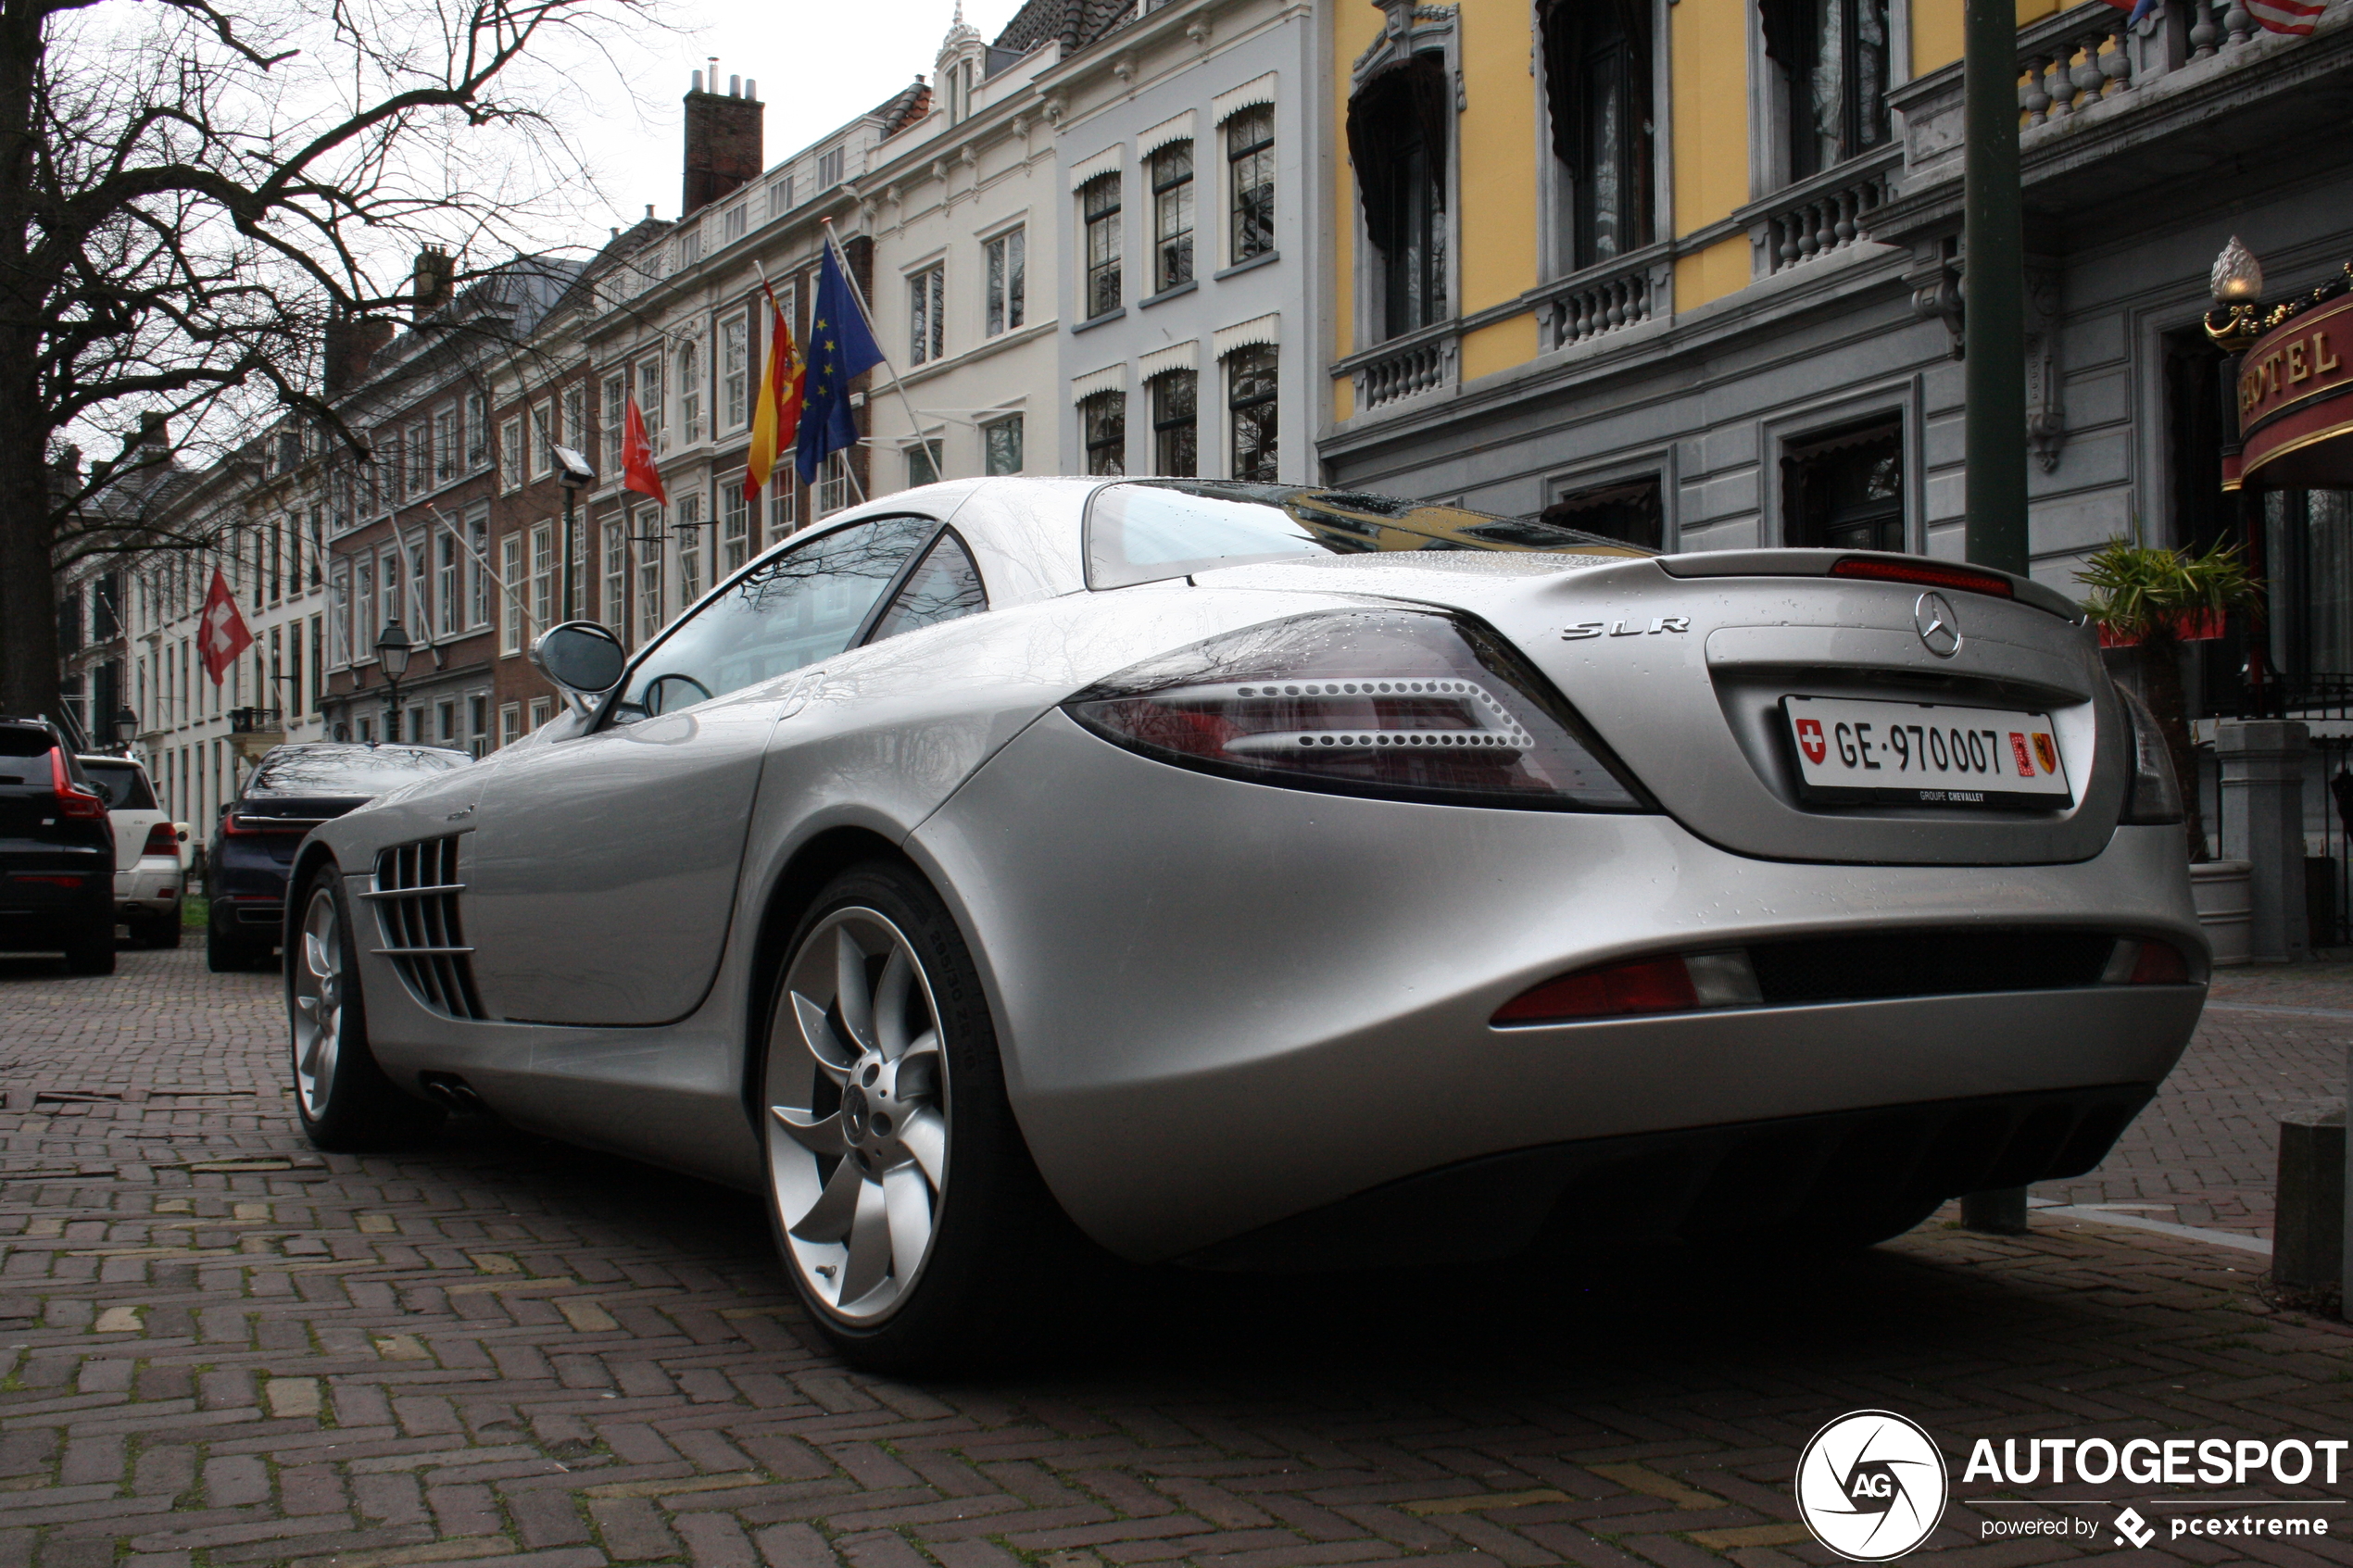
[(293, 790), (57, 850)]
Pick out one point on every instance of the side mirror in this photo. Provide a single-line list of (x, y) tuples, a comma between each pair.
[(582, 657)]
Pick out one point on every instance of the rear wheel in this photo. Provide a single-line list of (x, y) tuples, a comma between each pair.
[(905, 1201), (343, 1099)]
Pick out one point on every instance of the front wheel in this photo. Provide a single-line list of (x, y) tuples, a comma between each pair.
[(343, 1099), (905, 1201)]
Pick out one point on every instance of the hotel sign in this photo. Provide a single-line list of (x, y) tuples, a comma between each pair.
[(2296, 402)]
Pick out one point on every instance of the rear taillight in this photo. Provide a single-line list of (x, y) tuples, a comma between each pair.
[(1925, 574), (2152, 796), (1402, 704), (162, 839), (74, 800), (1669, 982), (2147, 963)]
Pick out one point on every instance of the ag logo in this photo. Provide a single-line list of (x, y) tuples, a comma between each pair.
[(1870, 1485)]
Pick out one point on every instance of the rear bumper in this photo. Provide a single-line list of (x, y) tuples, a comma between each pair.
[(1225, 1004), (151, 887), (1743, 1181), (40, 909)]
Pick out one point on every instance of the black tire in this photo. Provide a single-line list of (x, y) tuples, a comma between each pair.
[(343, 1099), (225, 954), (164, 932), (93, 951), (995, 1234)]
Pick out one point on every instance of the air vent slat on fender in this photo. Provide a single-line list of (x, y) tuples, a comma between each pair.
[(416, 898)]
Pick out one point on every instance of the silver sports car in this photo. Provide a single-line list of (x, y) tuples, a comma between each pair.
[(1256, 877)]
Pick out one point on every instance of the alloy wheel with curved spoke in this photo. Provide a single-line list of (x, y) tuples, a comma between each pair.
[(857, 1098), (318, 1002)]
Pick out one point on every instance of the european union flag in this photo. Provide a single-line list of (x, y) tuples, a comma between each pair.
[(840, 345)]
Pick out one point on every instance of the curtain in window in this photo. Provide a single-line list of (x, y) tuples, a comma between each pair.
[(1397, 138), (1597, 81)]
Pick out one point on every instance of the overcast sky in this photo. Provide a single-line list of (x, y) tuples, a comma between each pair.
[(818, 63)]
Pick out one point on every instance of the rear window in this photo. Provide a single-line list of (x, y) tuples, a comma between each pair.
[(22, 740), (123, 784), (1148, 531), (339, 771)]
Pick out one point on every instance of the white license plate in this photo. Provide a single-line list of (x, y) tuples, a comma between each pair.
[(1852, 752)]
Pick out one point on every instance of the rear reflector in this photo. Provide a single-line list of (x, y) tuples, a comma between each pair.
[(1927, 573), (48, 880), (1662, 985)]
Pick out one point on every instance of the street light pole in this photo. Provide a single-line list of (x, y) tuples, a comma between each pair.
[(574, 473), (392, 651), (1993, 305)]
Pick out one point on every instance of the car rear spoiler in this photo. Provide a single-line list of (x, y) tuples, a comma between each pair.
[(1874, 566)]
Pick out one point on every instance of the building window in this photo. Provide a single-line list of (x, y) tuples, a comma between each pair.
[(1397, 136), (1007, 283), (734, 372), (1249, 178), (419, 455), (784, 504), (1175, 424), (446, 722), (689, 393), (478, 719), (1001, 446), (1171, 171), (833, 485), (477, 433), (510, 724), (649, 402), (318, 661), (1099, 202), (649, 616), (830, 167), (779, 196), (735, 527), (1104, 422), (1597, 82), (1626, 510), (542, 710), (1845, 491), (447, 597), (1832, 57), (445, 445), (2307, 555), (511, 602), (616, 399), (616, 584), (511, 452), (689, 252), (543, 440), (478, 570), (923, 463), (574, 432), (542, 577), (736, 218), (1249, 407), (926, 296), (689, 531)]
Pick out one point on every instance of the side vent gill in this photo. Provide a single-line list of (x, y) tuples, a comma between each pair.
[(416, 900)]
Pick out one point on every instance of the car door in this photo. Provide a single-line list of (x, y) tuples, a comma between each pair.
[(603, 868)]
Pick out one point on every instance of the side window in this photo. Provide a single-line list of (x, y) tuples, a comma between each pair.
[(786, 612), (945, 585)]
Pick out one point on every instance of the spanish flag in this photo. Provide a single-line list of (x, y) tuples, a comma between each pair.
[(775, 418)]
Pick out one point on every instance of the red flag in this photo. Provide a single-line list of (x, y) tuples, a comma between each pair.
[(775, 418), (638, 471), (220, 631)]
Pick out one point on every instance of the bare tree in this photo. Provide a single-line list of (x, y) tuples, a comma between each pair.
[(189, 190)]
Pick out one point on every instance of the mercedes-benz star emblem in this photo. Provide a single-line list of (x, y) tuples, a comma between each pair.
[(1939, 628)]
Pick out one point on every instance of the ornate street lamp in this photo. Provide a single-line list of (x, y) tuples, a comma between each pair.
[(393, 648)]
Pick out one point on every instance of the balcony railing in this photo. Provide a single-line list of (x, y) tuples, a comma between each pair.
[(256, 720), (1822, 216), (1623, 292), (1408, 367)]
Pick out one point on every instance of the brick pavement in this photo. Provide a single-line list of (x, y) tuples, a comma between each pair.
[(219, 1347)]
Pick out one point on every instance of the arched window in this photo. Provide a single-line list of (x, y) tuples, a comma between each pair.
[(1397, 136), (1597, 81)]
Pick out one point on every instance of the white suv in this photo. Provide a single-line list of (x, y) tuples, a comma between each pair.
[(148, 870)]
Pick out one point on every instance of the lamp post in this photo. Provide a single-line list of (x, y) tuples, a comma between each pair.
[(575, 474), (125, 725), (393, 648)]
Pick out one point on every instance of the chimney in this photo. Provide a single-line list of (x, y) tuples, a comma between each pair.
[(350, 347), (434, 282), (723, 143), (155, 429)]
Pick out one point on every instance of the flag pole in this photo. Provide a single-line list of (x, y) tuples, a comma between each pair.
[(914, 420)]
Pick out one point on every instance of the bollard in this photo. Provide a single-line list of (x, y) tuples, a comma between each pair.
[(2001, 1212), (2307, 1227)]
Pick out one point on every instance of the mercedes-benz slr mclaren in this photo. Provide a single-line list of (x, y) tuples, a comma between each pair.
[(1254, 877)]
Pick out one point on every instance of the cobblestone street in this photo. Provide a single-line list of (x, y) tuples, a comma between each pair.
[(220, 1347)]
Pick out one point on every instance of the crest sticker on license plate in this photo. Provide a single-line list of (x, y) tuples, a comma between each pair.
[(1853, 752)]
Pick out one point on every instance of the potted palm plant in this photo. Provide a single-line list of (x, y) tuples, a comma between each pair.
[(2148, 600)]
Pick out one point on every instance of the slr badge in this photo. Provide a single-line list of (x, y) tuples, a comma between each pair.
[(1939, 628)]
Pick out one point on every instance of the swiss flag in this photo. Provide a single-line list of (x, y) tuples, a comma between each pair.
[(638, 471), (220, 631)]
